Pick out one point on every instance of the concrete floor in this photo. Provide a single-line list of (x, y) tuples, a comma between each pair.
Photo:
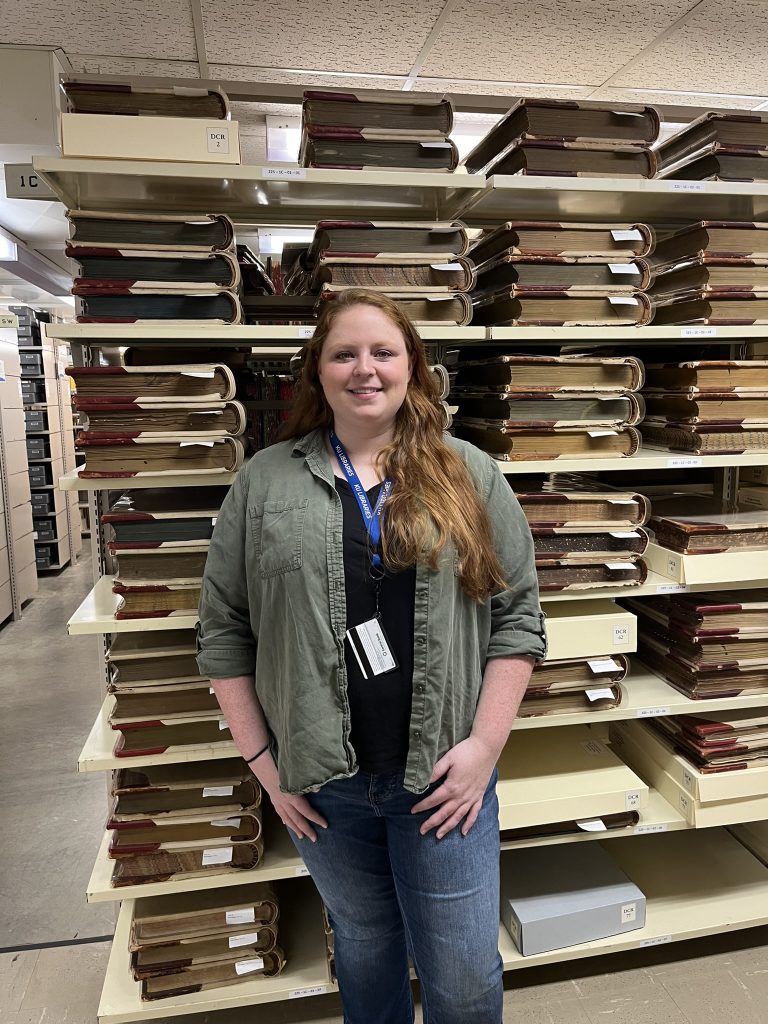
[(50, 690)]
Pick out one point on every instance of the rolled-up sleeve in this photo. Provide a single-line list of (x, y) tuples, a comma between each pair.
[(226, 642), (517, 623)]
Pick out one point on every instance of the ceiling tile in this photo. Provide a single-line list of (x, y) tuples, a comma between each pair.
[(138, 28), (698, 100), (580, 42), (384, 36), (93, 64), (243, 73), (721, 48), (495, 88)]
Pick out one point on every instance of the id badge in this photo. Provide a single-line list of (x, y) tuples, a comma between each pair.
[(371, 648)]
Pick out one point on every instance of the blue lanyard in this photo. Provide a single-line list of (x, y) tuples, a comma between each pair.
[(371, 516)]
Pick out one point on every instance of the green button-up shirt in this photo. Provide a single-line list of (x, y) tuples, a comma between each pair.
[(273, 606)]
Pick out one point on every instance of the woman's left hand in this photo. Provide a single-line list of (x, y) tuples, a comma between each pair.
[(466, 769)]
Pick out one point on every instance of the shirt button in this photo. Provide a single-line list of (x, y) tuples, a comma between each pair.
[(417, 734), (420, 688)]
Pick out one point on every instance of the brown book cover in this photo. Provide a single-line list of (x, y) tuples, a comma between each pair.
[(386, 239), (409, 112), (729, 408), (524, 275), (173, 835), (546, 119), (567, 545), (555, 240), (408, 274), (165, 865), (519, 445), (706, 279), (723, 240), (155, 737), (523, 374), (708, 376), (726, 613), (573, 686), (722, 163), (549, 410), (130, 457), (193, 915), (369, 149), (734, 309), (590, 576), (214, 976), (725, 681), (167, 565), (561, 309), (146, 270), (192, 383), (706, 439), (174, 957), (182, 421), (576, 160), (611, 510), (746, 130), (236, 797), (178, 702), (159, 232), (156, 600), (139, 100), (454, 308), (700, 526)]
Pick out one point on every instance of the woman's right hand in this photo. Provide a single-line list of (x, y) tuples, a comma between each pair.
[(295, 812)]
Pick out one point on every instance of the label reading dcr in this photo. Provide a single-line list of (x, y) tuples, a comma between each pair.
[(620, 636), (628, 913), (218, 139), (632, 800)]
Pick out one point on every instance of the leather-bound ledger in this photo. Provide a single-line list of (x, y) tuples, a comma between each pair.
[(518, 445), (603, 511), (385, 239), (183, 383), (743, 133), (138, 100), (535, 374), (574, 120), (577, 242), (131, 457), (162, 422), (136, 305), (368, 149), (159, 232), (560, 409), (561, 309), (419, 113)]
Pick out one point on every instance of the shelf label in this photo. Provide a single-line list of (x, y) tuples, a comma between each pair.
[(301, 993), (245, 915), (223, 724), (659, 712), (622, 300), (218, 791), (688, 781), (222, 855), (605, 694), (249, 966), (600, 665), (301, 871), (640, 830), (632, 800), (306, 332), (23, 182), (202, 374), (620, 636), (672, 588), (8, 319), (246, 939), (284, 172), (660, 940), (687, 186), (698, 332), (446, 266), (218, 138), (628, 913), (686, 462), (592, 825)]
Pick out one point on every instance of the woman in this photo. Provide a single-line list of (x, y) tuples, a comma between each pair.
[(390, 653)]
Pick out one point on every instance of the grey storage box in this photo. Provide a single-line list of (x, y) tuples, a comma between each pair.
[(43, 557), (46, 529), (42, 502), (35, 420), (558, 896), (37, 448), (31, 363), (32, 392), (39, 476)]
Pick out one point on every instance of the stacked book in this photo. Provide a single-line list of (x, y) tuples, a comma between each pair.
[(540, 273), (699, 525), (520, 407), (397, 131), (712, 272), (184, 820), (195, 941), (141, 101), (571, 138), (141, 268), (419, 265), (587, 540), (574, 685), (718, 147), (713, 768), (706, 645), (707, 406), (158, 419), (159, 701)]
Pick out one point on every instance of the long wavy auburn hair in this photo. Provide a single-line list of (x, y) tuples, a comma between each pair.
[(434, 498)]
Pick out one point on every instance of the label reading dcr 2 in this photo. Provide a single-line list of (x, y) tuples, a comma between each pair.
[(218, 140)]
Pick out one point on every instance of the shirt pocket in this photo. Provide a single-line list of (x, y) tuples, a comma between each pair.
[(277, 528)]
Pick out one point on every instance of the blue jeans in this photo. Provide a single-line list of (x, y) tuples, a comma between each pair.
[(390, 891)]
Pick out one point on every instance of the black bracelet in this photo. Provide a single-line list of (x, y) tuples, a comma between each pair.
[(264, 749)]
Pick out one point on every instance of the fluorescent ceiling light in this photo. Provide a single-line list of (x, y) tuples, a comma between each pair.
[(8, 249)]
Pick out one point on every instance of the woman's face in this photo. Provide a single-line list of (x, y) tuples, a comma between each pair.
[(364, 368)]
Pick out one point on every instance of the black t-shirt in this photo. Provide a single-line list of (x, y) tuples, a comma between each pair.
[(380, 706)]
